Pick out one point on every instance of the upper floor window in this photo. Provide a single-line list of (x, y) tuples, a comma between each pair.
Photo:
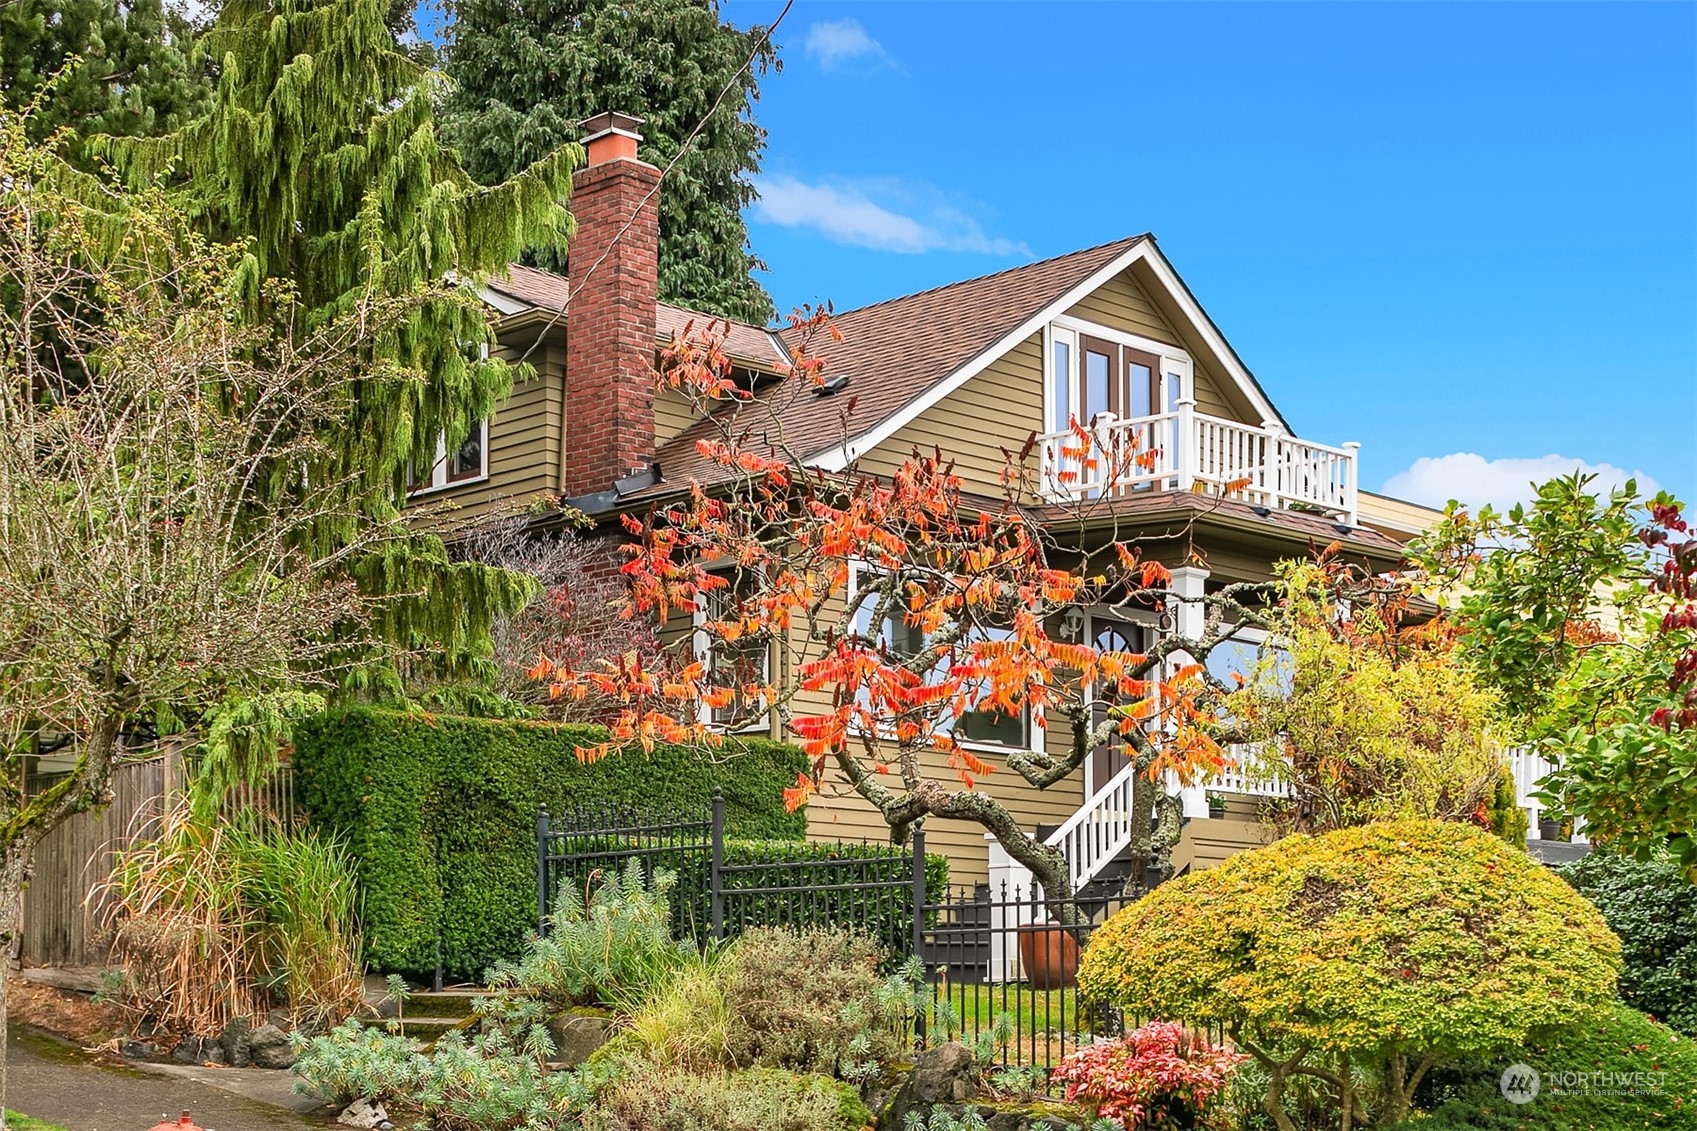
[(1095, 369), (466, 464)]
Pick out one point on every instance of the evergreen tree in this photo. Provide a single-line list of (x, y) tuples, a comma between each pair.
[(131, 77), (320, 156), (526, 73)]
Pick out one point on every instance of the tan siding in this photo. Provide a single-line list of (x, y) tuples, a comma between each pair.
[(1207, 842), (524, 448), (997, 409), (672, 414)]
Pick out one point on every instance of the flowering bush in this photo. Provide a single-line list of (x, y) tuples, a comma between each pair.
[(1155, 1076)]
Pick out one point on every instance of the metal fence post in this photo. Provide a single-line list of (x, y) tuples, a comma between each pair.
[(542, 870), (919, 920), (715, 882)]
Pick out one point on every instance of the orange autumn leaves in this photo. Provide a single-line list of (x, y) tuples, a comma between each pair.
[(888, 609)]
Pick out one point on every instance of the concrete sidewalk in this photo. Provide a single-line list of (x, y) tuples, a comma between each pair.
[(55, 1082)]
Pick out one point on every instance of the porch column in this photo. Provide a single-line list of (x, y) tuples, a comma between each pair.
[(1184, 459), (1352, 511), (1011, 903), (1190, 618)]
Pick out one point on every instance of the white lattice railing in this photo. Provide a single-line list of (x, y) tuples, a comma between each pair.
[(1181, 449)]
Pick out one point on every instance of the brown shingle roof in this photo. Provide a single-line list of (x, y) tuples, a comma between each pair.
[(746, 343), (893, 352)]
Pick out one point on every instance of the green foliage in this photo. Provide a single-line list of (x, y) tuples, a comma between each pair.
[(811, 1001), (128, 72), (524, 77), (942, 1119), (319, 157), (656, 1098), (685, 1022), (1567, 607), (1387, 943), (610, 950), (440, 815), (1367, 721), (487, 1084), (1618, 1040), (1528, 588), (1652, 906)]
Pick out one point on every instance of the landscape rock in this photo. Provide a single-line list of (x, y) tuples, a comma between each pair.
[(268, 1047), (234, 1040), (198, 1050), (945, 1074), (364, 1113), (576, 1036), (139, 1050)]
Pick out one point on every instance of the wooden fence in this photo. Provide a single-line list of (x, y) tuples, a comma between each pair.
[(63, 912), (61, 920)]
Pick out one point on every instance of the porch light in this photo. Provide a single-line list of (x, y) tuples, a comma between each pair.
[(1072, 623)]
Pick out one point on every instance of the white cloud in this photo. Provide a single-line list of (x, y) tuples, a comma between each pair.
[(832, 42), (846, 213), (1475, 480)]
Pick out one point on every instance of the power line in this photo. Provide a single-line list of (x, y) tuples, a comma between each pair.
[(688, 142)]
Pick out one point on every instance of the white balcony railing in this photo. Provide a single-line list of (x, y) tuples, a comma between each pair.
[(1185, 449)]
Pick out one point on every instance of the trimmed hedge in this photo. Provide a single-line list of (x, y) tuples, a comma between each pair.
[(1653, 908), (440, 815)]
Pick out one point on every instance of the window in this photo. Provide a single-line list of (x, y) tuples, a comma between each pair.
[(742, 664), (985, 727), (1242, 656), (1094, 369), (468, 463)]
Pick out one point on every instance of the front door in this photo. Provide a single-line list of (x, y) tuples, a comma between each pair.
[(1110, 634)]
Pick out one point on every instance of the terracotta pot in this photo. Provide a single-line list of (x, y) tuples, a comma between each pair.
[(1049, 955)]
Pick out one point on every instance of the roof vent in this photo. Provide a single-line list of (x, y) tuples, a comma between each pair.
[(832, 386)]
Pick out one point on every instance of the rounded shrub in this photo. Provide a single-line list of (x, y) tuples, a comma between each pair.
[(1394, 945)]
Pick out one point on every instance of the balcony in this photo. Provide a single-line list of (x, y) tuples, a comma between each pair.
[(1186, 450)]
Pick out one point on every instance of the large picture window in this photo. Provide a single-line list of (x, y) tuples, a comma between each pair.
[(904, 640)]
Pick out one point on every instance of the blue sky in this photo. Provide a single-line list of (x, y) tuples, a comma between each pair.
[(1446, 231)]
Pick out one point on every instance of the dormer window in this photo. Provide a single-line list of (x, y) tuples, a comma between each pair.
[(1094, 370)]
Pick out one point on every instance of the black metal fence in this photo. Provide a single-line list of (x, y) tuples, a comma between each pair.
[(1000, 964), (725, 886)]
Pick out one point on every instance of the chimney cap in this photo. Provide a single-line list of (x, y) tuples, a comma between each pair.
[(610, 122)]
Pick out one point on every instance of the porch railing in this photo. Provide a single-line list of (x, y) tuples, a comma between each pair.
[(1185, 449)]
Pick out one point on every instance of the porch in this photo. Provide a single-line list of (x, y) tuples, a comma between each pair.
[(1187, 450)]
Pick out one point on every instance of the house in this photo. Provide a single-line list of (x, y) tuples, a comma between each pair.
[(1110, 334)]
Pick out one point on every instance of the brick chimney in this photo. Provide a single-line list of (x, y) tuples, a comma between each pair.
[(610, 324)]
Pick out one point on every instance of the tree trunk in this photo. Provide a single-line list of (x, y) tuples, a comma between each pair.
[(14, 873)]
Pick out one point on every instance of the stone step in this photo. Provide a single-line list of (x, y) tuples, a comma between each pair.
[(453, 1003), (424, 1029)]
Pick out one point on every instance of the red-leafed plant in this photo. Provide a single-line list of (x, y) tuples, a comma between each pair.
[(1158, 1075)]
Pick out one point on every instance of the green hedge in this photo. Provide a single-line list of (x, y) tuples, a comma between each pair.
[(440, 814), (1618, 1040), (1653, 908)]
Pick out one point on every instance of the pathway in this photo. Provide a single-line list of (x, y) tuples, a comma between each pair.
[(53, 1081)]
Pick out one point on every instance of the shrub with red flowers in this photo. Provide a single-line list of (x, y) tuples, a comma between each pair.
[(1159, 1075)]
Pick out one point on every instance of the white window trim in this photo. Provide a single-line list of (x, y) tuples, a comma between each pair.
[(1037, 734), (1175, 362), (704, 653), (439, 480)]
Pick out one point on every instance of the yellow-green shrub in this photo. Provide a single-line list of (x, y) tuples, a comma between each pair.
[(1385, 944)]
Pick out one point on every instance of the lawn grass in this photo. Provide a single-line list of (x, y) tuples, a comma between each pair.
[(17, 1122), (1031, 1011)]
